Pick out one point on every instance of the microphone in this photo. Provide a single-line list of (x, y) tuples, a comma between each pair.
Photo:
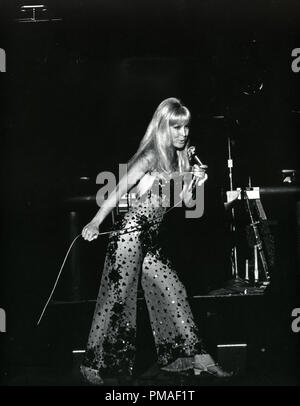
[(192, 156)]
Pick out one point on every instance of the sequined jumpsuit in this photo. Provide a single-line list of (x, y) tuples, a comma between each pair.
[(133, 249)]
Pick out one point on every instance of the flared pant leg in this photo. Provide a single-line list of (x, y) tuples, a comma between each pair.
[(173, 327), (111, 343)]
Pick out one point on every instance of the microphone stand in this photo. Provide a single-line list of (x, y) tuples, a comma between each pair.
[(236, 280)]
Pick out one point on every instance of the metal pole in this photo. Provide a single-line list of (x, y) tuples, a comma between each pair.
[(233, 229)]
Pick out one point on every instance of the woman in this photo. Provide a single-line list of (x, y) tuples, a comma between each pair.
[(133, 248)]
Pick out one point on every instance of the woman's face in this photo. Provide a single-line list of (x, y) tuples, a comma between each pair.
[(179, 134)]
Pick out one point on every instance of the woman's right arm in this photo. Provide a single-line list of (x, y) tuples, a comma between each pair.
[(135, 173)]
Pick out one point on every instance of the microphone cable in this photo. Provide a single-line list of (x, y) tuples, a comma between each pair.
[(122, 231)]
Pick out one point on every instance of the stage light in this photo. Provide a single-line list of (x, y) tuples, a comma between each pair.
[(35, 13)]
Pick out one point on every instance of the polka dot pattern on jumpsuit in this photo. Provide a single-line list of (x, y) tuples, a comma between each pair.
[(132, 249)]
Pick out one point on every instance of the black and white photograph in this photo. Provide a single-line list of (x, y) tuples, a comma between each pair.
[(150, 205)]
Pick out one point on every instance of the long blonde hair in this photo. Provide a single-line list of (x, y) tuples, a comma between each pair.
[(158, 138)]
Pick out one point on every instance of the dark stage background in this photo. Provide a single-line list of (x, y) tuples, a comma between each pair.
[(77, 97)]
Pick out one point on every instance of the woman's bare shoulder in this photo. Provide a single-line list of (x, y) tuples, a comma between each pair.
[(149, 159)]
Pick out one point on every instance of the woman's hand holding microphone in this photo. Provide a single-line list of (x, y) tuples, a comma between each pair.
[(199, 176)]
